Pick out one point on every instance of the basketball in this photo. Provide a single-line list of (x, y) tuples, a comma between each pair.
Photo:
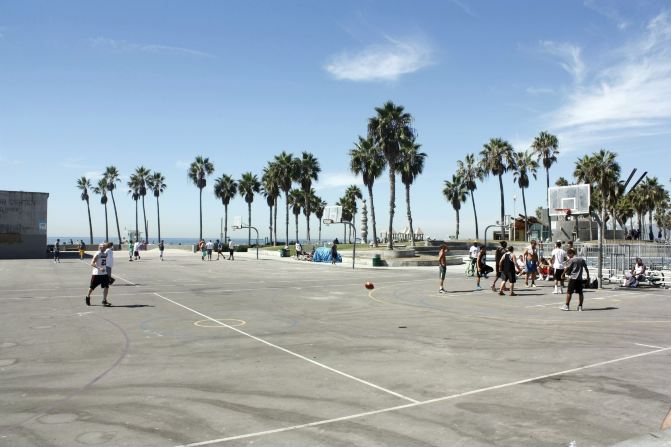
[(369, 285)]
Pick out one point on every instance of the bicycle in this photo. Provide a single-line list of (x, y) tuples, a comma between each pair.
[(470, 268)]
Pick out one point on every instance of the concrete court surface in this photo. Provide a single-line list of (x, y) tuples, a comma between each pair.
[(286, 353)]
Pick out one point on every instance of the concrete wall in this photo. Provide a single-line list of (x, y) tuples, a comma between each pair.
[(23, 224)]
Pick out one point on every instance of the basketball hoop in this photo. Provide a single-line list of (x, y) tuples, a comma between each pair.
[(327, 221), (566, 212)]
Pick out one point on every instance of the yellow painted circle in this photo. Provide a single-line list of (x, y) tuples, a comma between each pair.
[(227, 321)]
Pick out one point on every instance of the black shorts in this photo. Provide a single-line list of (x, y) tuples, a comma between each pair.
[(574, 286), (558, 273), (99, 280), (209, 251), (442, 269), (484, 270), (509, 276)]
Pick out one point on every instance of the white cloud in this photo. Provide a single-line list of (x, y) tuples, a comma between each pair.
[(332, 180), (629, 97), (568, 55), (384, 62), (181, 164), (94, 176), (130, 47), (607, 9)]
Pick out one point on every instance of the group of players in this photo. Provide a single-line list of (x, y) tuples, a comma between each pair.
[(565, 264)]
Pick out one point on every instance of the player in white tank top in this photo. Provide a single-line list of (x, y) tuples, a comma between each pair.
[(99, 275)]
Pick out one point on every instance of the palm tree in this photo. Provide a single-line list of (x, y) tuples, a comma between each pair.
[(142, 174), (561, 181), (545, 148), (472, 173), (410, 165), (156, 183), (455, 192), (320, 205), (200, 168), (389, 129), (296, 201), (582, 174), (84, 185), (308, 170), (369, 162), (348, 205), (525, 165), (353, 193), (271, 191), (101, 189), (286, 174), (112, 176), (225, 188), (605, 173), (247, 186), (498, 157), (134, 191), (655, 195)]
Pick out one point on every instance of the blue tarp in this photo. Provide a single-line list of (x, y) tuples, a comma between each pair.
[(323, 254)]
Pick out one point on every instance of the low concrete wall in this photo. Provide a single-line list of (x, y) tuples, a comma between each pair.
[(23, 224)]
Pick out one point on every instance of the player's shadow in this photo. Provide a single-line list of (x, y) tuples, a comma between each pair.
[(128, 306), (600, 308)]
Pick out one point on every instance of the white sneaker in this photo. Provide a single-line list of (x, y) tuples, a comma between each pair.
[(579, 308), (556, 291), (441, 290), (533, 284), (564, 307)]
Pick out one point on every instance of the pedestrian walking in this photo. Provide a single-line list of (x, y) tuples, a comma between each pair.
[(109, 253), (472, 257), (218, 246), (500, 251), (231, 250), (531, 259), (57, 251), (482, 269), (131, 246), (442, 267), (558, 259), (99, 276), (574, 267), (161, 248), (209, 247), (334, 253), (509, 271), (136, 250), (82, 249)]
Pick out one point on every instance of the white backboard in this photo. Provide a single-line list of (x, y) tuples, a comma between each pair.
[(237, 222), (573, 197), (333, 213)]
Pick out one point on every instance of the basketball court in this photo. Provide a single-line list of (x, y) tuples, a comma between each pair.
[(271, 352)]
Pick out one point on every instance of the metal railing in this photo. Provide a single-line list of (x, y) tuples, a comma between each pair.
[(618, 258)]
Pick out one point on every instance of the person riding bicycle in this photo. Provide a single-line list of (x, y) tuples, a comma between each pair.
[(473, 256)]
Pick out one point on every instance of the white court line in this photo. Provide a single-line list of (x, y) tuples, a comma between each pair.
[(548, 304), (417, 404), (295, 354), (648, 346)]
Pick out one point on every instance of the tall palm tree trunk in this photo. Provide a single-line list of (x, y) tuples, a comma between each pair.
[(88, 208), (158, 219), (407, 204), (296, 216), (225, 224), (320, 230), (286, 205), (475, 214), (107, 236), (146, 227), (503, 206), (137, 227), (116, 216), (526, 217), (270, 225), (372, 215), (275, 222), (200, 208), (307, 215), (392, 205), (547, 188), (599, 273), (249, 224), (457, 224)]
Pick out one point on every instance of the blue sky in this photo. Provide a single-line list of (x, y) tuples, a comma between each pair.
[(87, 84)]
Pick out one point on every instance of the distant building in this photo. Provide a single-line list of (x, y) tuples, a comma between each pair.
[(23, 224)]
